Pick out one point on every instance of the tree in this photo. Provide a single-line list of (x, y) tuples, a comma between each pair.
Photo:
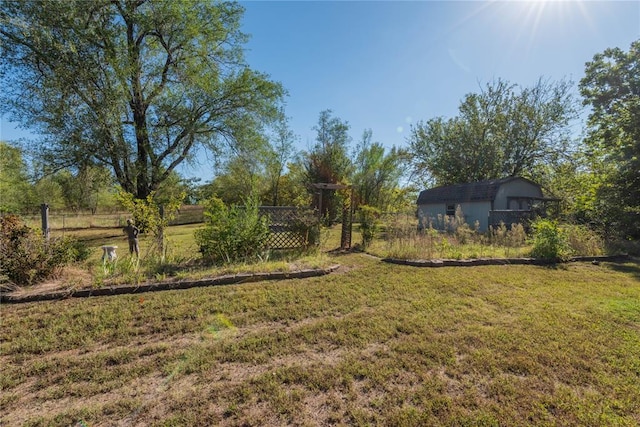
[(293, 189), (14, 186), (131, 84), (280, 152), (173, 188), (611, 86), (89, 187), (243, 171), (376, 173), (328, 161), (503, 131), (240, 176), (46, 190)]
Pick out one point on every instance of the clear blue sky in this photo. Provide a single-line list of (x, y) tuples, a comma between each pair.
[(385, 65)]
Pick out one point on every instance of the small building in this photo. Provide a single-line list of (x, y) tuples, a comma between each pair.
[(510, 200)]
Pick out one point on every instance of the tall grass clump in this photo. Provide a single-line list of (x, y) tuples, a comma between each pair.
[(450, 236), (404, 239), (232, 234), (509, 238), (583, 240)]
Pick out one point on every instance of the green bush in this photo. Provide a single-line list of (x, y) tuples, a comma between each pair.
[(369, 219), (26, 257), (232, 234), (549, 240)]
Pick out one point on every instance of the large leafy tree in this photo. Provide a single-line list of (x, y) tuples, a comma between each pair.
[(505, 130), (257, 169), (14, 184), (328, 161), (89, 187), (240, 176), (135, 85), (611, 86), (377, 173), (280, 152), (242, 171)]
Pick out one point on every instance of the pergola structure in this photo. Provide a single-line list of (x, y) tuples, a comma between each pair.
[(347, 210)]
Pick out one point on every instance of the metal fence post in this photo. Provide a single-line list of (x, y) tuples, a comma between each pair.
[(44, 213)]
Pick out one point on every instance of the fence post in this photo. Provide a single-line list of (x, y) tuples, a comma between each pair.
[(44, 213), (161, 231)]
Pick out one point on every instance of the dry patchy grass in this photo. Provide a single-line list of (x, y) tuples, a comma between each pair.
[(375, 344)]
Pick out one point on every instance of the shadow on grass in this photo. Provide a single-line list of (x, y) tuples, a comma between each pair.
[(632, 267)]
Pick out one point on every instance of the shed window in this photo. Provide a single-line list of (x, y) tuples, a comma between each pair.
[(451, 210)]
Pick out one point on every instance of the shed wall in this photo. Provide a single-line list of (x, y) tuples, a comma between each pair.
[(433, 214), (516, 188)]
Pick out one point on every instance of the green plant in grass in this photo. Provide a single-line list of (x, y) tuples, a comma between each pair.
[(232, 234), (549, 240), (369, 219), (130, 270)]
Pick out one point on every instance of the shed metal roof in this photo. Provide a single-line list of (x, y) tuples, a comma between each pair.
[(470, 192)]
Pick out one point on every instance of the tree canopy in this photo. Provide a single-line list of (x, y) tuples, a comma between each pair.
[(505, 130), (611, 86), (14, 185), (134, 85), (377, 173), (328, 161)]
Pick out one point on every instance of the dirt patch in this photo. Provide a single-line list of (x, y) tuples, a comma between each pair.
[(69, 279)]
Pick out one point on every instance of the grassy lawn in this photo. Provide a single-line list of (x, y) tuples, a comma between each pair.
[(375, 344)]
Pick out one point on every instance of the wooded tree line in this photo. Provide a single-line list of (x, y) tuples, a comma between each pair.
[(126, 90)]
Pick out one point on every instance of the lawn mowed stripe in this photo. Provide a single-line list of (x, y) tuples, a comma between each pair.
[(374, 344)]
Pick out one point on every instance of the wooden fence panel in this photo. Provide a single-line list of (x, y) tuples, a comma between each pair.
[(290, 227)]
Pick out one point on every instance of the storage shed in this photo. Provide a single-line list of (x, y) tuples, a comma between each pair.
[(510, 200)]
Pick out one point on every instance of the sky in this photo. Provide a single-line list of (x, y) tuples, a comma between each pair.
[(385, 65)]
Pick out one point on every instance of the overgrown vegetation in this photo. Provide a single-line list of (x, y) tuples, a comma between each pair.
[(26, 257), (547, 240), (233, 234), (150, 216)]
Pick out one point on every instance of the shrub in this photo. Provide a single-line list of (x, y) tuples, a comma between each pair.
[(369, 218), (306, 224), (26, 257), (232, 234), (549, 240), (516, 236)]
